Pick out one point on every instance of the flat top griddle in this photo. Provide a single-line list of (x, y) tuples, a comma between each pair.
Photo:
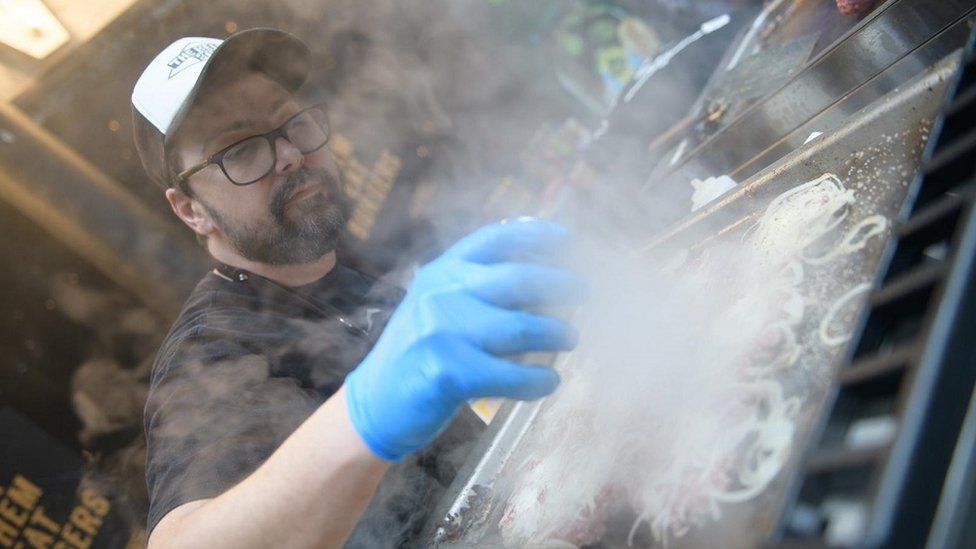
[(875, 153)]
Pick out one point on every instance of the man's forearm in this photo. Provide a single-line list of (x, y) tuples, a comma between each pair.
[(310, 493)]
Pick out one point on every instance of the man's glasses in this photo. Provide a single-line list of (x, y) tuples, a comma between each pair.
[(251, 159)]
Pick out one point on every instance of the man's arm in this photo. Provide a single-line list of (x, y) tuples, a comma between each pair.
[(446, 344), (309, 493)]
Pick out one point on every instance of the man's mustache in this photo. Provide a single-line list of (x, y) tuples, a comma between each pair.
[(297, 179)]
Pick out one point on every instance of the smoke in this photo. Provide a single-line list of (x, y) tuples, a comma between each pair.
[(702, 365), (435, 76), (462, 103)]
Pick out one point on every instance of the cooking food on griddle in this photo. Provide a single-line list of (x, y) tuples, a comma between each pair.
[(684, 429)]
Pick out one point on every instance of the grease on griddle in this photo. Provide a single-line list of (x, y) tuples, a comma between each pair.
[(474, 513)]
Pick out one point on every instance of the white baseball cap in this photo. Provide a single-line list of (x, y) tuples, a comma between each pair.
[(173, 81)]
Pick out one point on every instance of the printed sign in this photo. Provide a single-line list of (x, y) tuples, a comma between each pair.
[(40, 503)]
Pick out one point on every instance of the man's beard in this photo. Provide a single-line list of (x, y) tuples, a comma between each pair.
[(287, 241)]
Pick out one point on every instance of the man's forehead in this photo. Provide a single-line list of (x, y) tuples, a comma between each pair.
[(242, 102)]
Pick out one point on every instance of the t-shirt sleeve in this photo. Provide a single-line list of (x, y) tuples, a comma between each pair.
[(214, 415)]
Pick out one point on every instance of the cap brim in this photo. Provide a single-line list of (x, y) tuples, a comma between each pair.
[(279, 54)]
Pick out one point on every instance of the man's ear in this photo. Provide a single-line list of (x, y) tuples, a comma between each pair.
[(190, 211)]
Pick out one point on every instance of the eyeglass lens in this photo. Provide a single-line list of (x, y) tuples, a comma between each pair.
[(253, 158)]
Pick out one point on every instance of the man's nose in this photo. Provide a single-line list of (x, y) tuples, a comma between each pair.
[(289, 157)]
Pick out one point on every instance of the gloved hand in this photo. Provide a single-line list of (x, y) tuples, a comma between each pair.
[(446, 343)]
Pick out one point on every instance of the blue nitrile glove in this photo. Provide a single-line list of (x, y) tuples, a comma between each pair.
[(445, 344)]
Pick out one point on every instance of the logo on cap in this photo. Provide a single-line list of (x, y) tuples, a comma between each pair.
[(196, 52)]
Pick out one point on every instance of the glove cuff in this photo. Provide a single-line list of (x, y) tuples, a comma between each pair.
[(362, 422)]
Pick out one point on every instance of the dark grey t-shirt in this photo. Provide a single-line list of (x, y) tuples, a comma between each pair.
[(247, 362)]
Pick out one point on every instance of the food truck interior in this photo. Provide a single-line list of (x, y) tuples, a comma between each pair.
[(780, 194)]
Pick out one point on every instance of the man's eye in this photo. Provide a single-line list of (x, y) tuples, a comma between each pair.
[(242, 150)]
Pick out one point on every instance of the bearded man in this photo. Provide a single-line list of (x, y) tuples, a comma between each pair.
[(296, 402)]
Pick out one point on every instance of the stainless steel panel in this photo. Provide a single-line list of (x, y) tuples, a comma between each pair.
[(899, 41)]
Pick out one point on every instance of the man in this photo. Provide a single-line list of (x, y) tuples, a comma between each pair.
[(257, 437)]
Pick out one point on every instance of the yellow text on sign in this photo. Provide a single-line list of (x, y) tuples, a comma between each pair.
[(24, 522)]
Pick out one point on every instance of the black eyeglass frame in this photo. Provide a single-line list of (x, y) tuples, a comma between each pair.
[(271, 136)]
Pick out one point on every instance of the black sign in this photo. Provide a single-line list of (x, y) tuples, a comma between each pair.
[(41, 505)]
